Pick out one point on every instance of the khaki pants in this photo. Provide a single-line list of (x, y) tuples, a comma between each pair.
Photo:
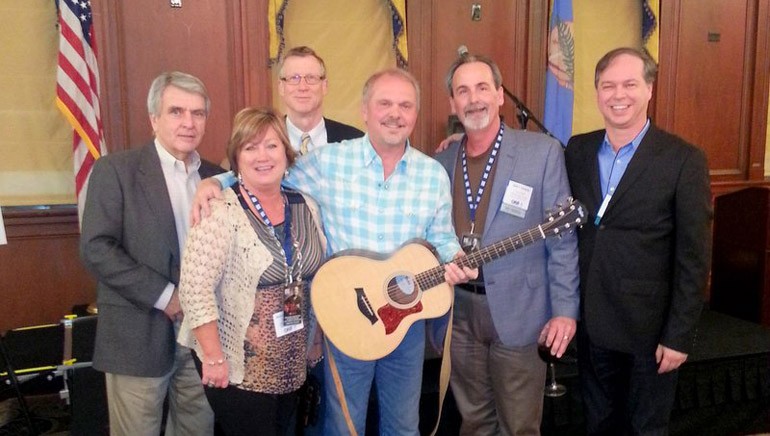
[(136, 403)]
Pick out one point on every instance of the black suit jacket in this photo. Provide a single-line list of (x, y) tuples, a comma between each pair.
[(129, 243), (336, 131), (644, 268)]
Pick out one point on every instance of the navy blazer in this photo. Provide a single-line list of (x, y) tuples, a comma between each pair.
[(644, 268), (129, 243), (336, 131), (528, 287)]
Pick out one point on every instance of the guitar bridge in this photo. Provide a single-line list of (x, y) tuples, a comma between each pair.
[(365, 306)]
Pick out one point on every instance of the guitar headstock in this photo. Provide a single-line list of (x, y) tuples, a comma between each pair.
[(565, 219)]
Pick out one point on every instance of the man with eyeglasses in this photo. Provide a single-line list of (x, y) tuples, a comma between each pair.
[(302, 86)]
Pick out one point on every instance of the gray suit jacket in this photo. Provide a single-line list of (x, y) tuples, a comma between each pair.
[(129, 243), (531, 285)]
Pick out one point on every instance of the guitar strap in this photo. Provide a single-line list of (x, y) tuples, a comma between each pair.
[(446, 365), (446, 369), (340, 391)]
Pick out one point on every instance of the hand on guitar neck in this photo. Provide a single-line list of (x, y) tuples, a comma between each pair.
[(455, 275)]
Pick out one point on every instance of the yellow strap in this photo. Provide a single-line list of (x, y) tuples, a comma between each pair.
[(34, 327), (446, 365), (340, 391)]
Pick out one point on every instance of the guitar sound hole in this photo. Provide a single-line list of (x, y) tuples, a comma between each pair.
[(402, 291)]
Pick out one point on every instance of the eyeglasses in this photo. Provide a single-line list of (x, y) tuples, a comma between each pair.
[(310, 79)]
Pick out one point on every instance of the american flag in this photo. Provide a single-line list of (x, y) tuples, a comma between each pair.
[(77, 89)]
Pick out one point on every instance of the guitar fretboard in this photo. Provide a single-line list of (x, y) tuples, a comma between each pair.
[(435, 276)]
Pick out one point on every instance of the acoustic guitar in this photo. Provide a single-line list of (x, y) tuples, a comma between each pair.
[(365, 302)]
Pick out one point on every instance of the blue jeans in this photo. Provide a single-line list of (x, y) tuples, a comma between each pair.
[(399, 383)]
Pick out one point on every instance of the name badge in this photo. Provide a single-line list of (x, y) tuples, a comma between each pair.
[(470, 242), (283, 330), (516, 199), (292, 304), (602, 209)]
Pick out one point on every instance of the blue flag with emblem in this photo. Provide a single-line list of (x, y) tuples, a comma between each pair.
[(560, 75)]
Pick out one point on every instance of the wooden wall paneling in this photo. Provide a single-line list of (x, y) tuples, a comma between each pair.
[(710, 83), (203, 38), (257, 82), (493, 35), (512, 33), (713, 83), (535, 45), (109, 46), (42, 276), (418, 29), (761, 91)]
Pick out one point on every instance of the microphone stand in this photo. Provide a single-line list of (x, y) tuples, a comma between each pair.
[(525, 115)]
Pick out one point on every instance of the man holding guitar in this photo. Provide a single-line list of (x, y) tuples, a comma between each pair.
[(505, 181), (375, 194)]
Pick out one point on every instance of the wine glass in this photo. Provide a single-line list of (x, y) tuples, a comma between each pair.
[(552, 389)]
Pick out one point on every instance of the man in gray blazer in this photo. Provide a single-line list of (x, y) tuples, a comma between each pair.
[(504, 181), (134, 225)]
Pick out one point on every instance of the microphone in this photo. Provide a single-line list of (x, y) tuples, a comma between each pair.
[(525, 114), (462, 50)]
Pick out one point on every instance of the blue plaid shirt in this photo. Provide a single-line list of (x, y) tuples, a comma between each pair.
[(361, 210)]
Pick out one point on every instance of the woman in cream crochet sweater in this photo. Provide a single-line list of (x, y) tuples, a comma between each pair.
[(244, 284)]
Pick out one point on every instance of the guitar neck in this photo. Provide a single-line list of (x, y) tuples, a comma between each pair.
[(435, 276)]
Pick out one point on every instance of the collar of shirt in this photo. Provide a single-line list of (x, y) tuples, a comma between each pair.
[(370, 155), (318, 136), (607, 147), (613, 165), (171, 164), (181, 183)]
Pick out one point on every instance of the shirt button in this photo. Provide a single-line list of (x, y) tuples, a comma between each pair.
[(380, 237)]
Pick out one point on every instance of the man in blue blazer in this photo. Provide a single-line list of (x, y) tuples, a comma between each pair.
[(644, 254), (134, 224), (532, 294)]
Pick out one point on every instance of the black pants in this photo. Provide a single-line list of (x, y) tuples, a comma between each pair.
[(622, 393), (245, 413)]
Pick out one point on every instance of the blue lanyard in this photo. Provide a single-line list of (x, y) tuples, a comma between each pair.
[(473, 204), (287, 245)]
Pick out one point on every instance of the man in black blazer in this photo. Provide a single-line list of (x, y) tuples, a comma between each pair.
[(302, 86), (134, 225), (644, 252)]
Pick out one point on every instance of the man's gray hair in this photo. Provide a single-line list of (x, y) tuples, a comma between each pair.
[(185, 82)]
